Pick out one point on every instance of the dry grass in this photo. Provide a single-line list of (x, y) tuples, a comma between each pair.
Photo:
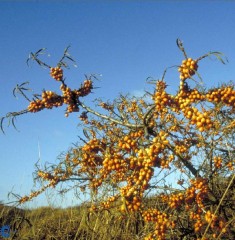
[(48, 223), (70, 223)]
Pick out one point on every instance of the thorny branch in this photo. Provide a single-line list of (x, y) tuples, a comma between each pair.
[(129, 125)]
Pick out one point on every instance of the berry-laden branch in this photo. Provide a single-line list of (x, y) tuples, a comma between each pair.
[(123, 123), (134, 144)]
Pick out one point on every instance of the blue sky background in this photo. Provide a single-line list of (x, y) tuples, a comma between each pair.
[(125, 41)]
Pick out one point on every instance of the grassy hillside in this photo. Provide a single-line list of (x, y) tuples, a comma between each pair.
[(70, 223), (48, 223)]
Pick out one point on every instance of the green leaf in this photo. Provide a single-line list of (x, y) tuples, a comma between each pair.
[(218, 56), (86, 134), (70, 59), (40, 50), (2, 119)]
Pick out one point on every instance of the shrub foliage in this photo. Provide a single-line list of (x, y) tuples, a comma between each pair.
[(176, 150)]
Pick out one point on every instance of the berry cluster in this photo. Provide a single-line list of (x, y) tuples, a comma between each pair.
[(133, 203), (181, 146), (197, 192), (216, 223), (133, 107), (90, 156), (49, 100), (187, 96), (129, 142), (174, 200), (143, 176), (158, 146), (162, 99), (197, 219), (187, 68), (70, 98), (223, 94), (230, 165), (114, 162), (131, 199), (161, 85), (201, 120), (217, 162), (94, 146), (103, 205), (56, 73), (85, 89), (33, 194), (36, 106), (162, 223), (45, 175)]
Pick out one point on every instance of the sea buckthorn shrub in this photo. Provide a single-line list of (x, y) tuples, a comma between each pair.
[(175, 149)]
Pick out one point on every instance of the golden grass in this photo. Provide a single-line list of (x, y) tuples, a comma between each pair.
[(70, 223)]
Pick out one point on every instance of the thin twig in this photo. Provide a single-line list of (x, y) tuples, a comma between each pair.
[(180, 46), (129, 125)]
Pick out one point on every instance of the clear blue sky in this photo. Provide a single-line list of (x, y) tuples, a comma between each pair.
[(125, 41)]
